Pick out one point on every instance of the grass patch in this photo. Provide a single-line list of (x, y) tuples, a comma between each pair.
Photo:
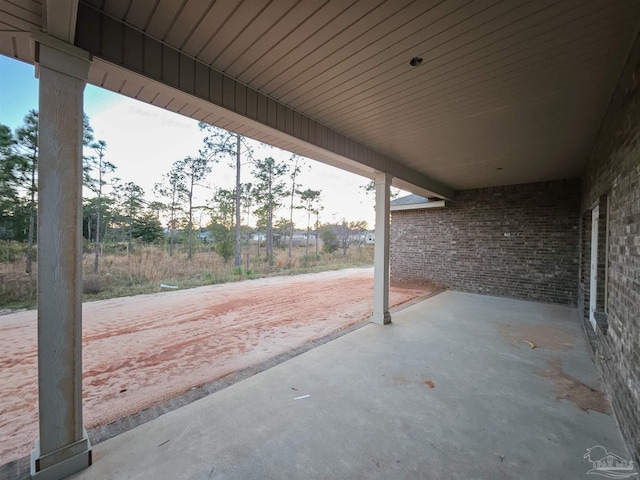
[(145, 269)]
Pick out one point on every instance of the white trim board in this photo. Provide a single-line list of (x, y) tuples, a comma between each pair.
[(419, 206)]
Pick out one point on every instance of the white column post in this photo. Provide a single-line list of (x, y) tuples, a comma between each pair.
[(381, 253), (63, 447)]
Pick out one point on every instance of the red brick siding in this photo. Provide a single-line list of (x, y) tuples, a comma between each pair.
[(518, 241), (613, 175)]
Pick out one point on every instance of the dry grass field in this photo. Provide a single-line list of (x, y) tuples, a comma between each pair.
[(149, 266)]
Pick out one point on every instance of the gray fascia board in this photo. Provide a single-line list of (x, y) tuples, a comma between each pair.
[(419, 206)]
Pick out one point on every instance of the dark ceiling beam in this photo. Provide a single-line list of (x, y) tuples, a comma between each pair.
[(59, 19)]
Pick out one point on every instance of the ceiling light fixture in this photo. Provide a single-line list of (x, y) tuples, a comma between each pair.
[(415, 61)]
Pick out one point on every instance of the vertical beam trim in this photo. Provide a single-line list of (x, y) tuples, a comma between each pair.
[(381, 252), (63, 447)]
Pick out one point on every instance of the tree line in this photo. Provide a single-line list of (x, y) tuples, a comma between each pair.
[(118, 211)]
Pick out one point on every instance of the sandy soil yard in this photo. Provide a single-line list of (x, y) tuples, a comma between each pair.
[(141, 350)]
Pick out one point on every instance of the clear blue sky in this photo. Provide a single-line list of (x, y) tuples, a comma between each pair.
[(19, 91), (143, 141)]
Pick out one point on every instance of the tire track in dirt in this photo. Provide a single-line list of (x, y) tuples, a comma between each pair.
[(138, 351)]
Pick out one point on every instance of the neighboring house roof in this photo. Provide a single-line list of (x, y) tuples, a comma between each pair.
[(414, 202)]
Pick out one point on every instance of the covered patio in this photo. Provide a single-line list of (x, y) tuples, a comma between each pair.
[(521, 117), (408, 400)]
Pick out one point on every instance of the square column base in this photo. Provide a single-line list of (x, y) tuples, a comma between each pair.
[(68, 460), (381, 318)]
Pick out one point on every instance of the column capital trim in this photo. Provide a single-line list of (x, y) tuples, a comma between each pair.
[(382, 177), (54, 54)]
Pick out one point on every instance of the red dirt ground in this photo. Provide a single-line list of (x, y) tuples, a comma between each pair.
[(141, 350)]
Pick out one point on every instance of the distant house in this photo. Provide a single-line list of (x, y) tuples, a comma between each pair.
[(354, 237), (258, 237), (299, 238), (415, 202)]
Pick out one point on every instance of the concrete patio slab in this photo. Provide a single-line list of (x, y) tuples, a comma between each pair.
[(451, 389)]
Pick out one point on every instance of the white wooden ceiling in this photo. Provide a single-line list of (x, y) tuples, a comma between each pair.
[(508, 91)]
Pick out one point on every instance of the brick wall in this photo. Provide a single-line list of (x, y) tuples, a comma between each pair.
[(612, 179), (518, 241)]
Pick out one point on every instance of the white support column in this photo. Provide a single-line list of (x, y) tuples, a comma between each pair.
[(63, 447), (381, 253)]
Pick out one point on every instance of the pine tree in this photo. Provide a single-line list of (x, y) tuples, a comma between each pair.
[(270, 190)]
